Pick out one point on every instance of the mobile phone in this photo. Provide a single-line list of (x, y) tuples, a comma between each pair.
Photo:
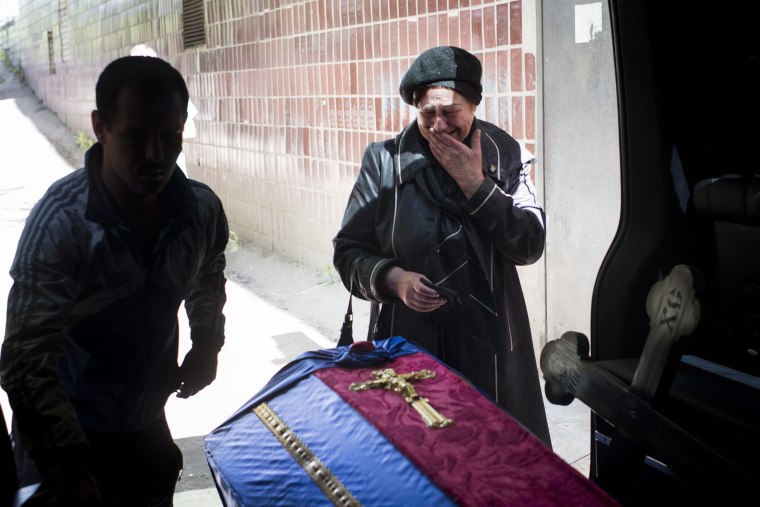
[(449, 295)]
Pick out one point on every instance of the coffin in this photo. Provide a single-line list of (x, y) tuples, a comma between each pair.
[(308, 438)]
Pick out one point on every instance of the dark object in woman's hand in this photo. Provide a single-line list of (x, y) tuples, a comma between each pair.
[(449, 295)]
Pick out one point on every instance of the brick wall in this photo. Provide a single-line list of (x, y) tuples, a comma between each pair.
[(288, 92)]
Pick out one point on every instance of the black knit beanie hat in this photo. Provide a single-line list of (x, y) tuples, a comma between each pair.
[(446, 66)]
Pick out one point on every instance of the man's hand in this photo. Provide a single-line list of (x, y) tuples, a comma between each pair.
[(463, 163), (409, 288), (65, 486), (197, 371)]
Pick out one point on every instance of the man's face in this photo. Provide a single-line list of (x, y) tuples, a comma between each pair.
[(445, 111), (143, 141)]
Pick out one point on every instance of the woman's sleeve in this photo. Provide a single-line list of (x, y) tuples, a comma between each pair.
[(510, 214), (357, 256)]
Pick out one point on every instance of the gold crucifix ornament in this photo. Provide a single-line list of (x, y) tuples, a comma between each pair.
[(389, 380)]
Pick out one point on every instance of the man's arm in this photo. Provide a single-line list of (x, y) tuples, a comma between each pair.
[(204, 304), (39, 303)]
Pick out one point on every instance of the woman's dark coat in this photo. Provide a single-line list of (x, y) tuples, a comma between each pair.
[(390, 220)]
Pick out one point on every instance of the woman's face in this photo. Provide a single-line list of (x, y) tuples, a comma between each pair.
[(445, 111)]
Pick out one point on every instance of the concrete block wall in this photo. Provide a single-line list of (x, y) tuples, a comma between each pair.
[(288, 92), (8, 40), (62, 46)]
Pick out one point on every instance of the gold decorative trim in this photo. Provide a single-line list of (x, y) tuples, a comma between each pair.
[(317, 471)]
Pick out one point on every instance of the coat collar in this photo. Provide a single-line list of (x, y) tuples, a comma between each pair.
[(413, 153), (182, 206)]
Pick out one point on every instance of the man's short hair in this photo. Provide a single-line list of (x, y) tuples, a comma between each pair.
[(147, 76)]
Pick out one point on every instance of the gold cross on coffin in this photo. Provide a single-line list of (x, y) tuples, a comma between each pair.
[(389, 380)]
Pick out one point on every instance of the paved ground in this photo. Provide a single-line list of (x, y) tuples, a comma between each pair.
[(276, 309)]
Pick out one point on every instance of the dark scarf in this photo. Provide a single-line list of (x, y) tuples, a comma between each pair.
[(454, 263)]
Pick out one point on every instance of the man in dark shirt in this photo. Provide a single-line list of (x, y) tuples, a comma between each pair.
[(106, 258)]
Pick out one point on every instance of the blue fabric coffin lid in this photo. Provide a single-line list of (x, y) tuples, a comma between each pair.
[(309, 362)]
